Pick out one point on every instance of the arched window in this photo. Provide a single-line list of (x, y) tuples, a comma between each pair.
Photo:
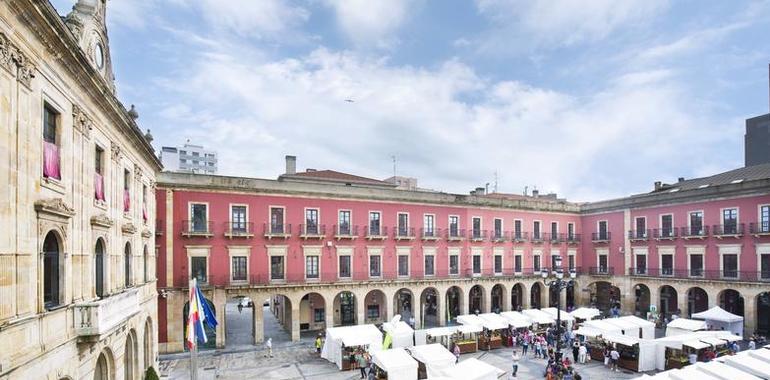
[(102, 371), (129, 357), (99, 264), (50, 271), (127, 265), (148, 357), (145, 262)]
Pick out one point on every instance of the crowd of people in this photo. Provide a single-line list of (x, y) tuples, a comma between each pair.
[(543, 346)]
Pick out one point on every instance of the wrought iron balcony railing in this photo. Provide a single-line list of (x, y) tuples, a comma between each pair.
[(665, 233), (377, 233), (478, 235), (196, 228), (703, 274), (762, 228), (430, 233), (639, 235), (277, 231), (455, 234), (239, 229), (312, 231), (694, 232), (403, 233), (573, 238), (727, 230), (345, 231), (519, 236), (600, 237)]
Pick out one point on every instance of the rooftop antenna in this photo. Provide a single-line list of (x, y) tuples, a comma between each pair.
[(393, 157), (495, 188), (525, 190)]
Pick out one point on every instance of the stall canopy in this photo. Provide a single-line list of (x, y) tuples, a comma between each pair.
[(736, 367), (683, 326), (744, 362), (629, 328), (603, 326), (470, 329), (475, 320), (494, 321), (647, 328), (516, 319), (435, 357), (586, 313), (563, 315), (472, 369), (401, 333), (368, 336), (397, 363), (538, 316), (441, 331), (646, 349), (721, 319)]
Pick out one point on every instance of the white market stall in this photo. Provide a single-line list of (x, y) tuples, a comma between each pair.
[(635, 354), (721, 319), (585, 313), (441, 335), (745, 362), (672, 351), (539, 317), (341, 340), (646, 327), (432, 358), (593, 331), (681, 326), (737, 367), (564, 316), (628, 328), (516, 319), (498, 325), (491, 337), (401, 333), (394, 364), (471, 369)]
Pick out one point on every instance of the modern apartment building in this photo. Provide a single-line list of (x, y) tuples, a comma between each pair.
[(757, 140), (336, 249), (77, 276), (189, 158)]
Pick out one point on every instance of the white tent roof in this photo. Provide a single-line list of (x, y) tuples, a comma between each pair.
[(358, 335), (564, 315), (602, 325), (588, 331), (397, 362), (687, 324), (621, 339), (401, 333), (435, 357), (724, 371), (729, 337), (629, 328), (696, 344), (469, 329), (712, 340), (472, 369), (586, 313), (636, 320), (716, 313), (692, 372), (760, 354), (539, 316), (749, 364), (441, 331), (516, 319), (494, 321)]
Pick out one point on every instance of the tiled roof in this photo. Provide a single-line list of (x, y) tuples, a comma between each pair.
[(733, 176), (335, 176)]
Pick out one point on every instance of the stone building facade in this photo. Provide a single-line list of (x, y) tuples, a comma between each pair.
[(77, 251)]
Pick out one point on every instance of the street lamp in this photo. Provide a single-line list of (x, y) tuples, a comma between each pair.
[(558, 284)]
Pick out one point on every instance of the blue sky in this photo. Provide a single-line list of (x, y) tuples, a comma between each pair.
[(590, 99)]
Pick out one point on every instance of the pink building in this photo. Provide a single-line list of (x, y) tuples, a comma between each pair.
[(329, 249)]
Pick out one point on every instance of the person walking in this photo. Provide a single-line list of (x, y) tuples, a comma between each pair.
[(240, 307), (614, 356), (752, 344), (515, 362), (582, 353), (575, 351), (524, 345), (361, 362), (456, 352), (269, 346), (318, 344)]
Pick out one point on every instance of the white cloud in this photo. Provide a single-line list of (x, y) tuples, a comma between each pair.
[(371, 22), (252, 18)]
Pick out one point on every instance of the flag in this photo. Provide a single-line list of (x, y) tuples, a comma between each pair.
[(199, 313)]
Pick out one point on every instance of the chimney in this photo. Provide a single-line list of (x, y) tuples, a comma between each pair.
[(657, 185), (681, 179), (291, 164), (535, 193), (479, 191)]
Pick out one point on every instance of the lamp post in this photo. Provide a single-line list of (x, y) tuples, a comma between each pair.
[(558, 283)]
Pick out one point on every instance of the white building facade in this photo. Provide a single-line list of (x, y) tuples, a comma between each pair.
[(189, 158)]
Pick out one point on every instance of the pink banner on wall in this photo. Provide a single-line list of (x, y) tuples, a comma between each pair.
[(144, 213), (98, 187), (51, 167), (126, 201)]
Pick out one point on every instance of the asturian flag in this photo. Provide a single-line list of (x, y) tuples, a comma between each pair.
[(199, 313)]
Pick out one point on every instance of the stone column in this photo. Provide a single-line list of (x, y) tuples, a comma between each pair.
[(681, 301), (441, 306), (654, 296), (259, 321), (220, 300), (749, 313), (329, 312), (525, 295), (360, 309), (295, 322), (563, 298)]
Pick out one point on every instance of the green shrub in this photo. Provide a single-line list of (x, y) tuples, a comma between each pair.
[(151, 374)]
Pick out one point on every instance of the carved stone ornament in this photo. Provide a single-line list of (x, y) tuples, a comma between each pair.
[(54, 206), (16, 62), (81, 121), (115, 151), (129, 228), (146, 233), (137, 173), (101, 220), (153, 185)]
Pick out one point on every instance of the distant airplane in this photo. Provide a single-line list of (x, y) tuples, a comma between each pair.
[(349, 100)]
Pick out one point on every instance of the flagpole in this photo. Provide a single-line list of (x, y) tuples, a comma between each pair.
[(194, 349)]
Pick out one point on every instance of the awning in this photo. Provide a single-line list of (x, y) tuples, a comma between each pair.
[(696, 344), (621, 339), (586, 313), (714, 341)]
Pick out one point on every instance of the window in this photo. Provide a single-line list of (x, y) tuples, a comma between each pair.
[(641, 264), (517, 263), (696, 265), (603, 230), (430, 269), (319, 315), (276, 220), (696, 223), (667, 264), (127, 266), (454, 223), (498, 264), (603, 267), (498, 228), (344, 220), (403, 224), (641, 228), (372, 311), (145, 265), (536, 230), (345, 267), (764, 219), (476, 264), (536, 262), (517, 229), (196, 154), (239, 268), (374, 223), (126, 190), (51, 160), (403, 265), (764, 266), (571, 231), (454, 264), (276, 268), (666, 225), (311, 221), (375, 265), (311, 266), (554, 259), (238, 217), (51, 271), (730, 221), (476, 228), (98, 174), (554, 230), (199, 269), (99, 258), (571, 259), (428, 225), (730, 265), (198, 217)]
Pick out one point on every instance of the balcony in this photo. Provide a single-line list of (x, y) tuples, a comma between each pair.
[(197, 229), (760, 229), (430, 234), (276, 231), (702, 274), (573, 239), (312, 231), (239, 230), (601, 271), (600, 237), (556, 238), (665, 233), (639, 235), (536, 237), (478, 236), (694, 232), (403, 233), (345, 231), (519, 237), (455, 234), (377, 233), (499, 236), (724, 231), (95, 319)]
